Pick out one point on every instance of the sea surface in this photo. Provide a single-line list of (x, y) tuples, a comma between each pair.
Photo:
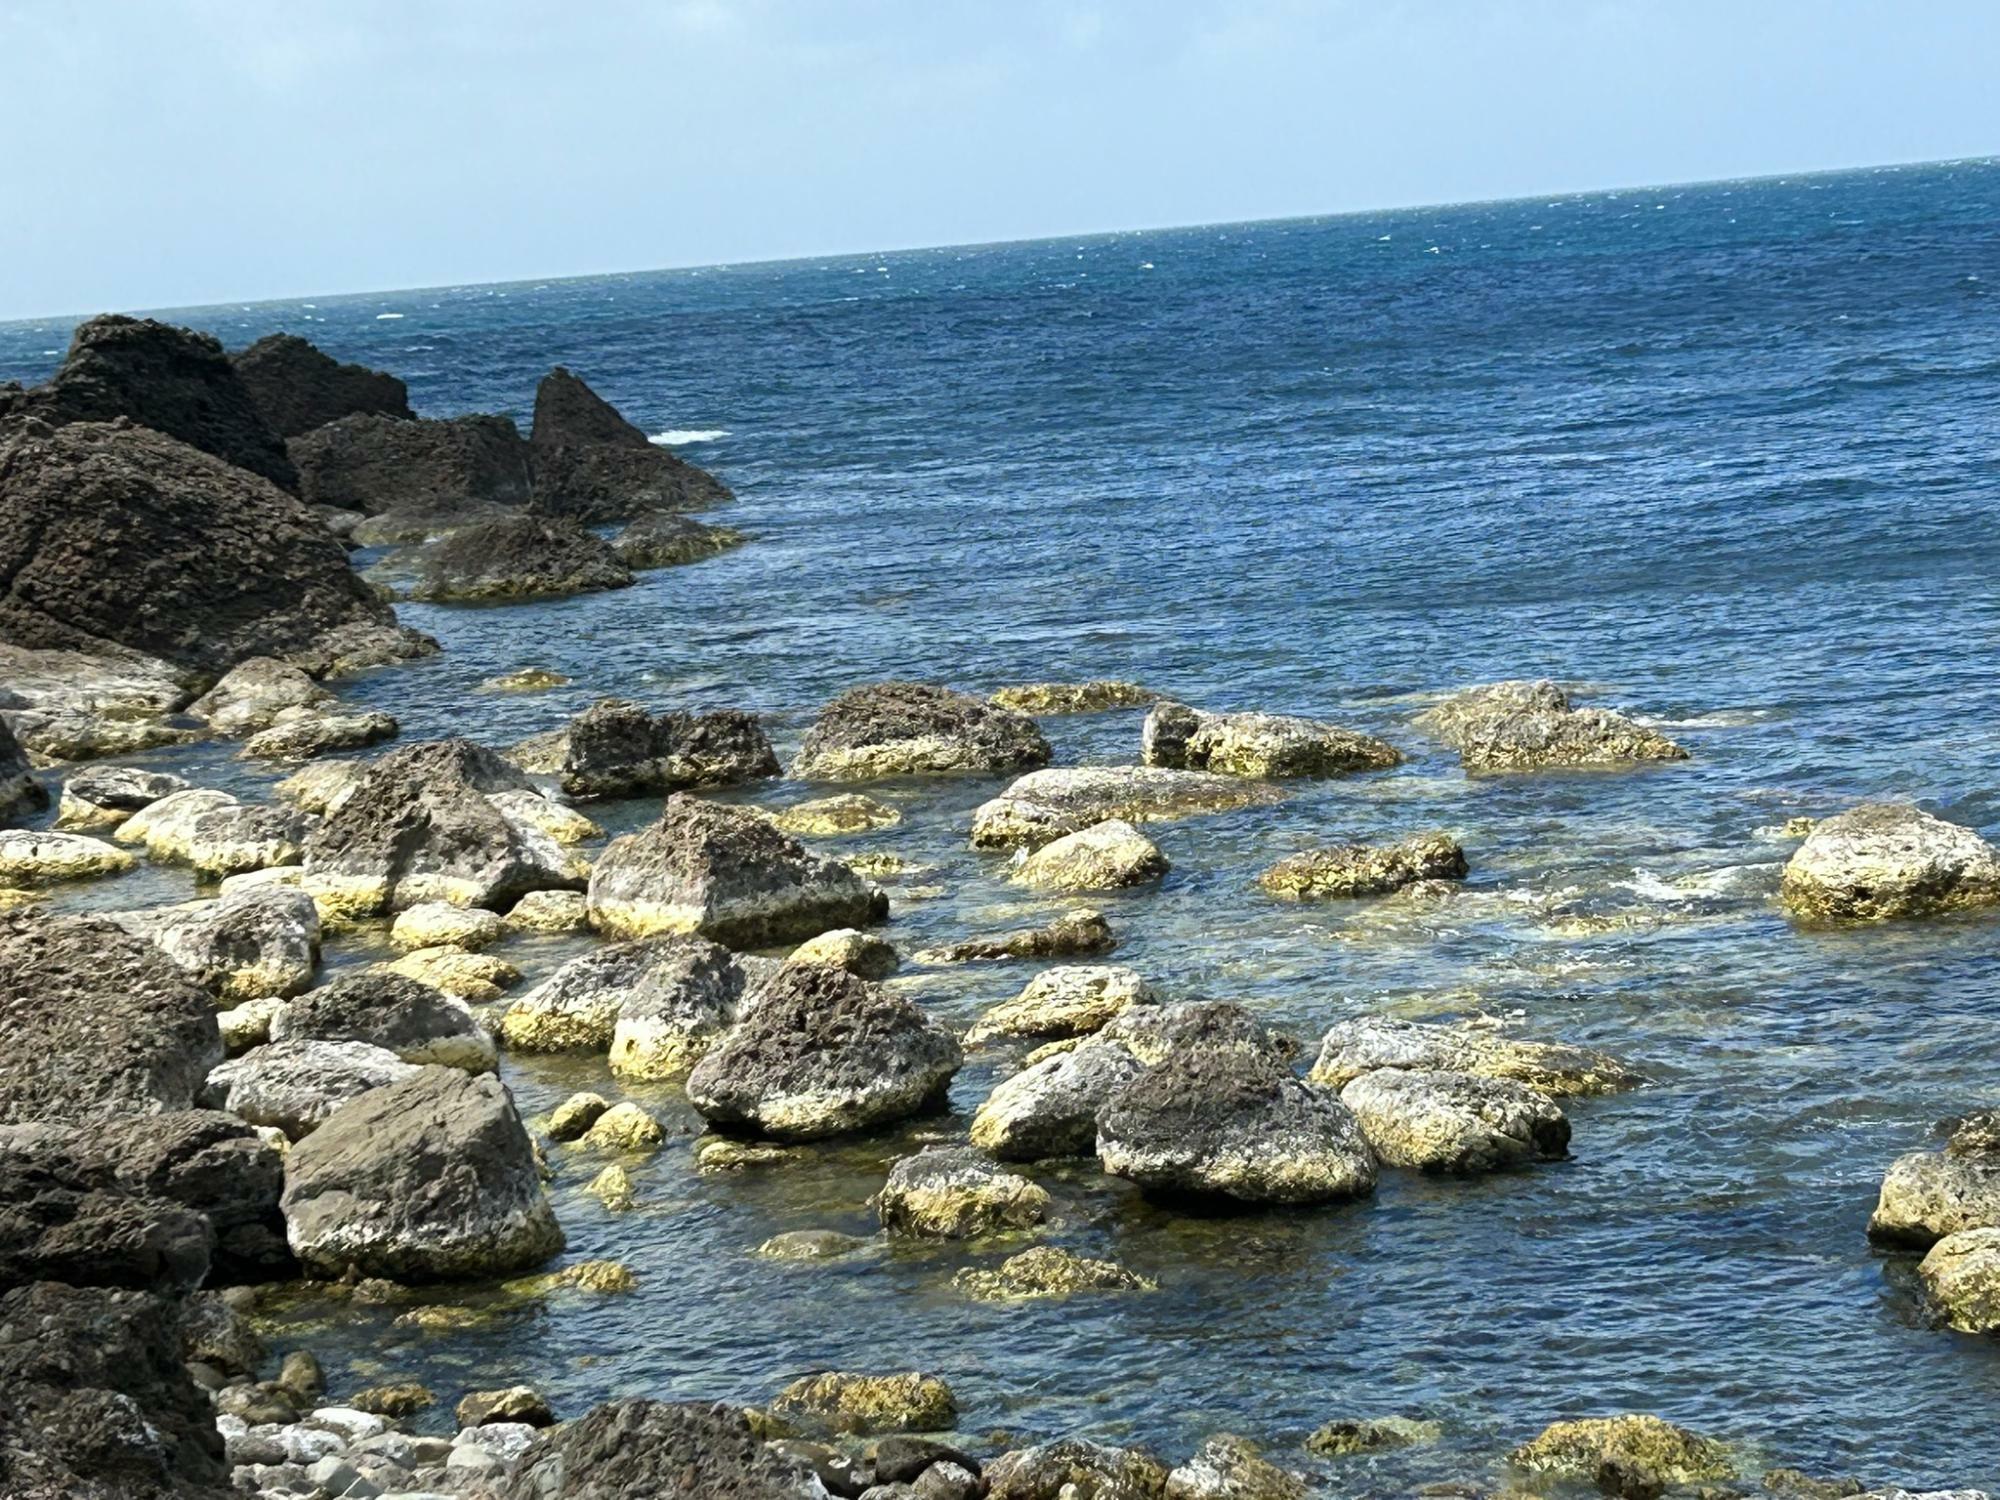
[(1724, 456)]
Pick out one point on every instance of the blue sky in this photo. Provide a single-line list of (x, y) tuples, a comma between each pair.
[(175, 152)]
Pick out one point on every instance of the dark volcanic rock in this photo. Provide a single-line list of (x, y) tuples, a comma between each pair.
[(19, 791), (116, 538), (821, 1053), (99, 1405), (60, 1221), (96, 1021), (170, 379), (911, 728), (212, 1164), (521, 557), (430, 1178), (616, 749), (374, 463), (661, 539), (298, 387), (636, 1449), (592, 465)]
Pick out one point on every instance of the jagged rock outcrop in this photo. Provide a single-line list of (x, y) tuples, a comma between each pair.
[(914, 728), (1885, 860), (172, 380), (384, 465), (725, 874), (520, 557), (615, 748), (117, 540), (296, 386), (1528, 726), (592, 465)]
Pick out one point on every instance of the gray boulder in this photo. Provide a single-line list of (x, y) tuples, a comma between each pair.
[(823, 1053), (254, 941), (1050, 1107), (1258, 744), (105, 796), (956, 1193), (593, 465), (1559, 1069), (215, 833), (1884, 860), (428, 1179), (257, 693), (295, 1086), (1043, 806), (1455, 1122), (617, 749), (726, 874), (1528, 726), (913, 728), (656, 1003), (414, 1022), (1928, 1195), (297, 387), (379, 464)]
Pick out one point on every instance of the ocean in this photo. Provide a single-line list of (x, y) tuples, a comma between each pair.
[(1725, 456)]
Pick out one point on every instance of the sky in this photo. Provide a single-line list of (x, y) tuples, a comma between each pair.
[(168, 153)]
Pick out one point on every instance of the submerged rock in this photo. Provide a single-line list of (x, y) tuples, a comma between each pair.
[(829, 817), (1352, 1048), (296, 387), (661, 539), (1581, 1449), (120, 540), (1961, 1275), (414, 1022), (1095, 696), (823, 1053), (1045, 805), (430, 1178), (810, 1244), (520, 557), (1349, 1435), (1052, 1471), (633, 1447), (1455, 1122), (381, 464), (44, 858), (842, 1401), (1884, 860), (1105, 856), (955, 1193), (913, 728), (617, 749), (1256, 744), (105, 796), (1073, 933), (1233, 1123), (1528, 726), (295, 1086), (97, 1022), (1069, 1000), (726, 874), (1046, 1271), (1350, 870), (526, 680)]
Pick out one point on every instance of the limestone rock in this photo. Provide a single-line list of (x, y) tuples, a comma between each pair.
[(215, 833), (1929, 1195), (1105, 856), (1884, 860), (1077, 1466), (1046, 1271), (295, 1086), (624, 1127), (1580, 1449), (1258, 744), (1961, 1274), (1095, 696), (656, 1003), (1349, 870), (1050, 1108), (549, 912), (1527, 726), (255, 694), (413, 1021), (45, 858), (248, 944), (829, 817), (842, 1401), (1227, 1467), (439, 923), (955, 1193), (860, 953), (1455, 1122), (384, 465), (105, 796), (317, 734), (909, 728), (1043, 806), (1077, 933), (1352, 1048), (478, 978)]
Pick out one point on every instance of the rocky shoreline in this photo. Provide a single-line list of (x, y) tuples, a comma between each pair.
[(195, 1118)]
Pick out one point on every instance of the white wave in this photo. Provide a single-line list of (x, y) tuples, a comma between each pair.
[(386, 317), (680, 437)]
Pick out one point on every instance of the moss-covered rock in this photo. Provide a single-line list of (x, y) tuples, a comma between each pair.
[(911, 728), (624, 1127), (1046, 1271), (1093, 697), (1349, 1435), (831, 817), (1228, 1467), (955, 1193), (845, 1402), (1351, 870), (1579, 1449), (1076, 1466), (435, 924), (1529, 726)]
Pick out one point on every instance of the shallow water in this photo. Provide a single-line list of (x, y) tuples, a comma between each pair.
[(1724, 455)]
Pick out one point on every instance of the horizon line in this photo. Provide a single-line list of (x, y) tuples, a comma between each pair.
[(754, 262)]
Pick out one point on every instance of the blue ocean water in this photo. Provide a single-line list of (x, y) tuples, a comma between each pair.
[(1727, 456)]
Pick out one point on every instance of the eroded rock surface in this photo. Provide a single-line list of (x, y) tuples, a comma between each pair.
[(912, 728)]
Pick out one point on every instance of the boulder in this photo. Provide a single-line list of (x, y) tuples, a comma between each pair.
[(1072, 934), (846, 1402), (549, 912), (1255, 744), (1076, 1466), (593, 465), (45, 858), (823, 1053), (250, 943), (1929, 1195), (1227, 1467), (955, 1193), (624, 1127), (1103, 857), (296, 1086), (515, 1403), (97, 1022), (318, 734), (52, 736), (1349, 870), (120, 540), (1581, 1449), (439, 923), (322, 787), (569, 1120), (257, 693), (520, 557), (726, 874), (830, 817), (1046, 1271), (1044, 805), (215, 833), (66, 1222), (172, 380), (1455, 1122), (383, 464), (1093, 697), (1529, 726), (860, 953), (1069, 1000), (212, 1164), (20, 793), (431, 1178), (105, 796), (297, 387), (562, 823), (616, 749), (1883, 860), (1233, 1123), (912, 728), (661, 539), (412, 1021), (478, 978), (656, 1003), (418, 827), (1050, 1107), (1961, 1275), (100, 1405), (637, 1449), (1352, 1048)]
